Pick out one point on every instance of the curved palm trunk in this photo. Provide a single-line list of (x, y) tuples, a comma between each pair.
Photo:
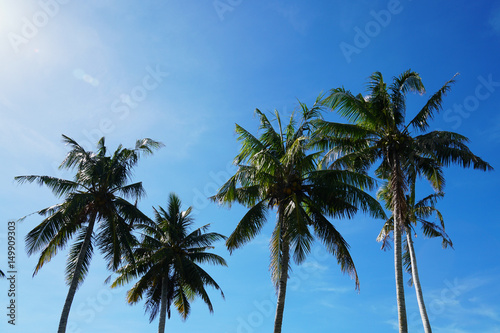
[(416, 283), (282, 288), (163, 306), (74, 282), (397, 186), (283, 280)]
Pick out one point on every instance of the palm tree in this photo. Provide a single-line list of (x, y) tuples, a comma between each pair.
[(94, 211), (278, 171), (417, 213), (379, 132), (167, 263)]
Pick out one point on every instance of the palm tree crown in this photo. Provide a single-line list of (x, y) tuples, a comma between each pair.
[(166, 262), (418, 213)]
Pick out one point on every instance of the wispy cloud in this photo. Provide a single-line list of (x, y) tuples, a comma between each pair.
[(14, 134), (330, 305), (339, 290), (494, 20), (493, 132), (314, 266), (293, 14), (463, 302), (456, 328), (484, 310), (261, 242)]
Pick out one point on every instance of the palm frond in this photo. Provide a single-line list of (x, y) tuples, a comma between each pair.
[(353, 108), (385, 234), (59, 187), (300, 237), (248, 227), (147, 146), (334, 243), (450, 148), (434, 104), (77, 156), (74, 255)]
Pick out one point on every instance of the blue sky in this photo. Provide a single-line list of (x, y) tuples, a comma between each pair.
[(184, 72)]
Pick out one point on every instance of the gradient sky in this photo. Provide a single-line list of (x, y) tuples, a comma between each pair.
[(184, 72)]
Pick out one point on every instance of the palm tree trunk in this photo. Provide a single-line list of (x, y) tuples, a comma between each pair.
[(399, 207), (163, 306), (283, 280), (400, 292), (416, 283), (74, 282), (282, 288)]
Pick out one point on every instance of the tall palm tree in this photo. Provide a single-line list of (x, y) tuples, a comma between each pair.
[(166, 262), (94, 211), (380, 133), (417, 213), (278, 171)]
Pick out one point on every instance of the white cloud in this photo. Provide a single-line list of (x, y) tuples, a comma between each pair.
[(393, 323), (338, 290), (314, 266)]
